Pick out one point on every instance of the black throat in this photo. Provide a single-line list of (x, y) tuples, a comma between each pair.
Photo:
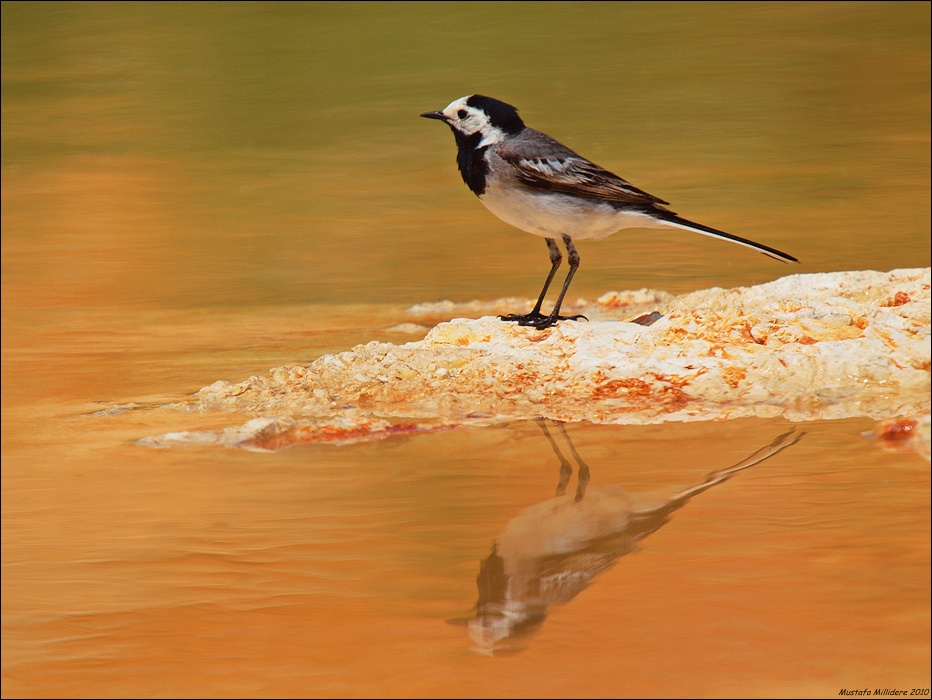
[(471, 160)]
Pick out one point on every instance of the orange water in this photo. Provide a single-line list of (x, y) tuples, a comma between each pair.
[(202, 192)]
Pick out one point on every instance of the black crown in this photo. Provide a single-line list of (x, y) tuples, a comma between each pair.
[(501, 115)]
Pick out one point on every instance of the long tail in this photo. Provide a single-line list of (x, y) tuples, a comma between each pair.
[(779, 444), (680, 222)]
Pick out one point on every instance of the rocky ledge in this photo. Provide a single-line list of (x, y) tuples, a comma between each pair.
[(806, 347)]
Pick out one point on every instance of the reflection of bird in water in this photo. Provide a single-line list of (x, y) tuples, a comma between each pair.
[(552, 551)]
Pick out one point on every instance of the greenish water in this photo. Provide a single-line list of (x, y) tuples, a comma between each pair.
[(194, 192), (283, 160)]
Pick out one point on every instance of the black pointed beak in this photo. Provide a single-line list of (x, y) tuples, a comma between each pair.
[(435, 115)]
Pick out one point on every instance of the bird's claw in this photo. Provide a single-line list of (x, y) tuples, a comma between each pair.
[(538, 320)]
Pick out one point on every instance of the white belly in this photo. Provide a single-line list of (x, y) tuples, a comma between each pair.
[(554, 215)]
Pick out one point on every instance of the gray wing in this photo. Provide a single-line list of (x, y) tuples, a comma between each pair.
[(544, 163)]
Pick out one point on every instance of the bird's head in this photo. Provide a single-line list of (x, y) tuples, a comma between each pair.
[(484, 119)]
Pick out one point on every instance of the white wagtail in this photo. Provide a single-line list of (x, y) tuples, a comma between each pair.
[(534, 182)]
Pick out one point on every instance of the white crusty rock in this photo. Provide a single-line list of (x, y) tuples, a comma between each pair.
[(807, 347)]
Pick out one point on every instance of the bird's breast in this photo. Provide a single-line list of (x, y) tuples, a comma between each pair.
[(553, 215), (473, 167)]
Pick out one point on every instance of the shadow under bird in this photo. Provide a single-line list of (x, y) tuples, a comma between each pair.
[(537, 184)]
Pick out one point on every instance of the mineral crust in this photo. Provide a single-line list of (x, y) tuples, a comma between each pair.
[(805, 347)]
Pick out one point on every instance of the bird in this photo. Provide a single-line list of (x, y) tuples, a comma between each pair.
[(535, 183), (552, 551)]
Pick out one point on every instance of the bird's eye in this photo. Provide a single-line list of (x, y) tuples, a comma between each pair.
[(462, 114)]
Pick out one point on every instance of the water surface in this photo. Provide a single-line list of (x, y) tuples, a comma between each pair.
[(202, 192)]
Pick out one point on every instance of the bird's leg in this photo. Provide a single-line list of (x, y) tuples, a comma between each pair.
[(556, 257), (555, 316), (582, 475), (566, 469)]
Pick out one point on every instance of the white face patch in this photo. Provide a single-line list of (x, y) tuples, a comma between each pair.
[(470, 120)]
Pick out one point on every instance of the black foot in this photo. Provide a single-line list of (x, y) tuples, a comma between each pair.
[(538, 320)]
